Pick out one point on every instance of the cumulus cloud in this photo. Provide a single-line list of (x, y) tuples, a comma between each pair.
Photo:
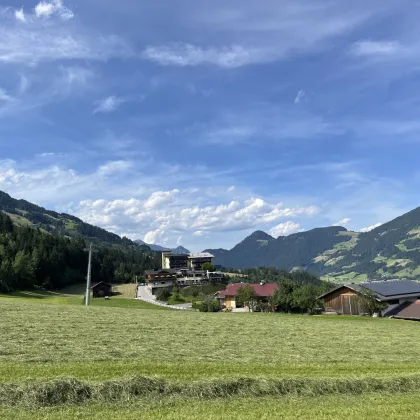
[(20, 15), (46, 9), (166, 212), (299, 97), (107, 105), (369, 228), (284, 229), (343, 222), (155, 236), (158, 198)]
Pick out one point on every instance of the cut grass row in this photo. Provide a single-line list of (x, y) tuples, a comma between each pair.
[(360, 407), (70, 391)]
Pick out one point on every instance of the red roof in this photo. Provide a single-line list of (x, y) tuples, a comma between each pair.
[(264, 290)]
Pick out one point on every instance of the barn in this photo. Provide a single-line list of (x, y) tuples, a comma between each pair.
[(101, 289), (395, 293)]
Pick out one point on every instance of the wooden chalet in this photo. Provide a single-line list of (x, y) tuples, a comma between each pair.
[(396, 293)]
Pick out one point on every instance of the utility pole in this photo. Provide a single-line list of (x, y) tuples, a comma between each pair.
[(88, 278)]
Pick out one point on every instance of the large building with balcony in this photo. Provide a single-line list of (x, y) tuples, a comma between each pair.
[(185, 261)]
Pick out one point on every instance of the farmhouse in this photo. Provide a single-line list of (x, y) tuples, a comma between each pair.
[(227, 297), (101, 289), (397, 294)]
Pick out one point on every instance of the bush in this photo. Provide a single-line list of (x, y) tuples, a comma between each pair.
[(209, 304), (163, 295)]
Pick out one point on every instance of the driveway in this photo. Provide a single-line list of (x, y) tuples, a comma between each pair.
[(144, 293)]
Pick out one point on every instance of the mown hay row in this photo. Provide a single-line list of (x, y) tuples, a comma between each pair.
[(62, 391)]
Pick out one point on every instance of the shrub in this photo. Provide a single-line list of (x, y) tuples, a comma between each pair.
[(163, 295)]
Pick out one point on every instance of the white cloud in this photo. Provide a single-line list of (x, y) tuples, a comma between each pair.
[(46, 9), (54, 40), (299, 97), (114, 167), (231, 188), (369, 228), (4, 96), (184, 55), (76, 75), (109, 104), (160, 197), (179, 241), (376, 48), (20, 15), (343, 222), (284, 229), (155, 237), (172, 216)]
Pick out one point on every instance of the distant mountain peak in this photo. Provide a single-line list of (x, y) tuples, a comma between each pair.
[(259, 235), (155, 247)]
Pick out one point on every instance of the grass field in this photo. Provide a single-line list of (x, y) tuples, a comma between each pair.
[(296, 364)]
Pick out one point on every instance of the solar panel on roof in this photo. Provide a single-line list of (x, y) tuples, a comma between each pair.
[(392, 288)]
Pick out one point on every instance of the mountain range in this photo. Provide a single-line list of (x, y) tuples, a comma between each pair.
[(392, 250), (154, 247)]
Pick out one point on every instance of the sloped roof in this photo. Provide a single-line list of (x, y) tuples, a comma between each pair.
[(384, 290), (101, 282), (409, 311), (264, 290), (393, 287)]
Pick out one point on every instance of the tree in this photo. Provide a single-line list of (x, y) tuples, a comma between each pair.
[(208, 266), (246, 296), (305, 298), (370, 304), (283, 297)]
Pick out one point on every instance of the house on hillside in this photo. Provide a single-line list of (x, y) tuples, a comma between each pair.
[(160, 279), (397, 294), (227, 297)]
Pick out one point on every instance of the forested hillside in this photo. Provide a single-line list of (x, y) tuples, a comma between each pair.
[(24, 213), (32, 258), (390, 251)]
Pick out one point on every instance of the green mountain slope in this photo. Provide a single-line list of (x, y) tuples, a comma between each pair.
[(24, 213), (389, 251)]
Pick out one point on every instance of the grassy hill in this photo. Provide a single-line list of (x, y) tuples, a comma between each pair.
[(389, 251), (135, 363), (24, 213)]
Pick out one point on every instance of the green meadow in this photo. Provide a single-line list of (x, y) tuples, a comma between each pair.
[(117, 358)]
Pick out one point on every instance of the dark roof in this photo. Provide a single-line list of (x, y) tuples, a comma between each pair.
[(384, 290), (264, 290), (391, 288), (409, 311), (164, 271), (101, 282)]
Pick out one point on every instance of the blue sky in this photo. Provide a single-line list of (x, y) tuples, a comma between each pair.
[(196, 122)]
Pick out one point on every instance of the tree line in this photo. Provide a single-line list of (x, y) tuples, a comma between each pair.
[(31, 258)]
